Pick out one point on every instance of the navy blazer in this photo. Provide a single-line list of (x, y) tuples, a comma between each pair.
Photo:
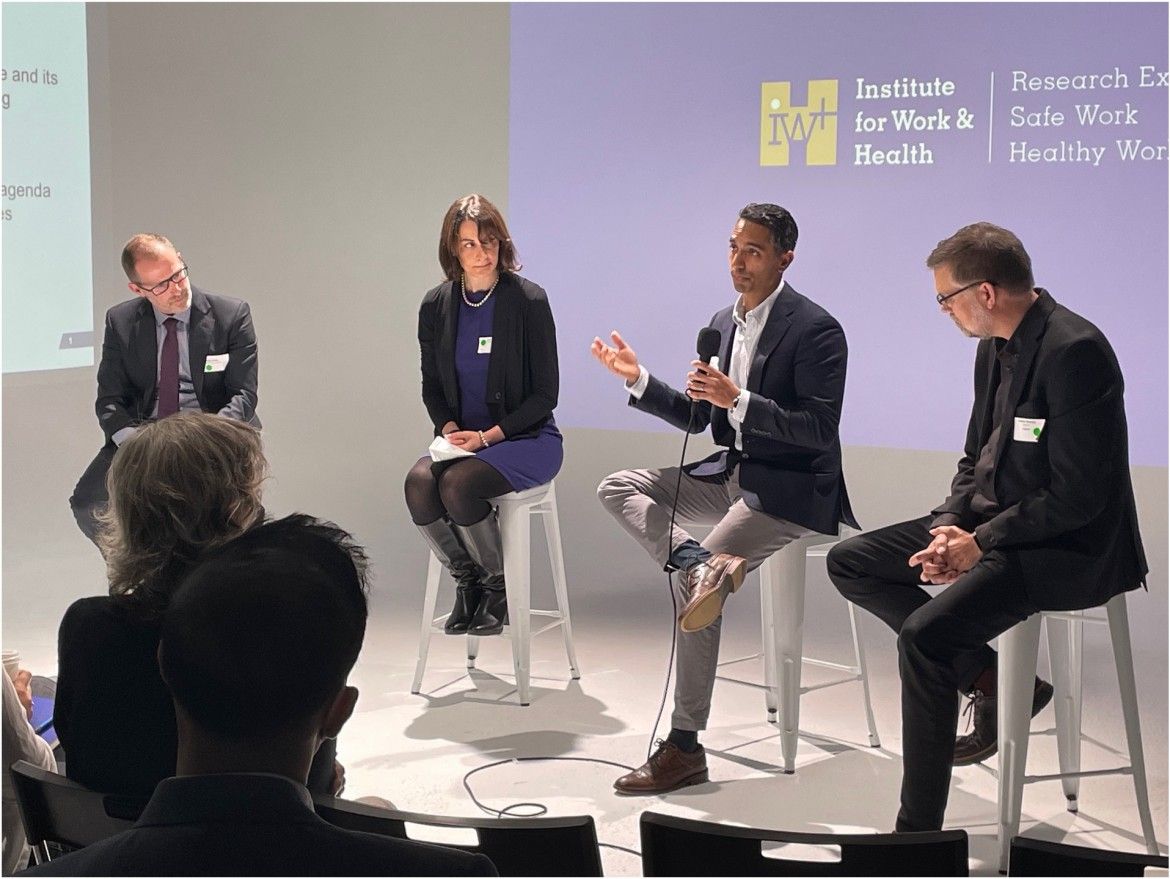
[(128, 373), (523, 375), (1068, 513), (791, 461)]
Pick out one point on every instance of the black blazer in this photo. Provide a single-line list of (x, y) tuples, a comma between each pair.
[(523, 376), (252, 825), (1068, 512), (128, 373), (791, 461), (113, 713)]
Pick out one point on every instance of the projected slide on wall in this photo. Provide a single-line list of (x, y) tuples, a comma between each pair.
[(47, 274), (638, 132)]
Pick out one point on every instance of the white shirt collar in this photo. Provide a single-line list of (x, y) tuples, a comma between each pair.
[(758, 316)]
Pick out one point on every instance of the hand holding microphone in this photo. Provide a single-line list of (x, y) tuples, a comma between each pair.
[(705, 382)]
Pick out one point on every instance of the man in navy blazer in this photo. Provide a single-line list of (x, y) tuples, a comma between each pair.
[(173, 348), (1040, 516), (774, 403)]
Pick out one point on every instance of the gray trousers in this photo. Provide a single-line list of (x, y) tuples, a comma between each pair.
[(641, 500)]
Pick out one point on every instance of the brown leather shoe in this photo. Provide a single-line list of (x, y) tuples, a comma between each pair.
[(669, 768), (710, 583), (980, 743)]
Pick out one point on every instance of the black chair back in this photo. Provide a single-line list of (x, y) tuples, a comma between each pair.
[(1034, 857), (683, 847), (517, 846), (57, 810)]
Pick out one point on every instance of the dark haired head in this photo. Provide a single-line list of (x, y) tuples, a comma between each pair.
[(985, 252), (776, 220), (491, 225), (261, 634)]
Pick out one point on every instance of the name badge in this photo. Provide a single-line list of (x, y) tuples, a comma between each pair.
[(1028, 430), (216, 363), (485, 345)]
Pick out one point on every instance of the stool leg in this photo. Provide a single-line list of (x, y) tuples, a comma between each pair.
[(1017, 669), (472, 650), (1123, 659), (430, 599), (788, 619), (556, 557), (768, 636), (859, 656), (515, 533), (1065, 639)]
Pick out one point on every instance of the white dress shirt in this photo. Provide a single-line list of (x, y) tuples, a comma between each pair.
[(749, 325)]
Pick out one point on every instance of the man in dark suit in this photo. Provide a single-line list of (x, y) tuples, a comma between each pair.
[(775, 406), (1041, 513), (173, 348), (256, 647)]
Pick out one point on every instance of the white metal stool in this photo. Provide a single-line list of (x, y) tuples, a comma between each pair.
[(1017, 665), (782, 619), (515, 511)]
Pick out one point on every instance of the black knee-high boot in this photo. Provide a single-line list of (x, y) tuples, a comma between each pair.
[(483, 543), (443, 539)]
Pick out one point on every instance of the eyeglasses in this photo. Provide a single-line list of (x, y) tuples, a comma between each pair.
[(944, 297), (160, 288)]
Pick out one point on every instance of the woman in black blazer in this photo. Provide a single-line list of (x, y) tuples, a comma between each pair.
[(179, 487), (489, 382)]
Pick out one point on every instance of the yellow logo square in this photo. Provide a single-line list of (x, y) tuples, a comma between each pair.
[(813, 125)]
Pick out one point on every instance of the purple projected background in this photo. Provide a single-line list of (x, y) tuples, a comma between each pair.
[(636, 137)]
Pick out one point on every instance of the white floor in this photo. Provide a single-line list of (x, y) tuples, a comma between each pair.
[(416, 750)]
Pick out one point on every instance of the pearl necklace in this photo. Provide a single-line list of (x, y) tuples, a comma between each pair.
[(463, 291)]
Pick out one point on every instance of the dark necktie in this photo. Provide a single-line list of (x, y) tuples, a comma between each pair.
[(168, 371)]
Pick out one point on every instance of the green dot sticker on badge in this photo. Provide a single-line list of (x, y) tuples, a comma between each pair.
[(485, 345), (1028, 430)]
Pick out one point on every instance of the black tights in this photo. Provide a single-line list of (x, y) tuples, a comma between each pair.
[(460, 492)]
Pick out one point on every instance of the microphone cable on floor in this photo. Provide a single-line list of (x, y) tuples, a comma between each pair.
[(537, 809), (534, 809)]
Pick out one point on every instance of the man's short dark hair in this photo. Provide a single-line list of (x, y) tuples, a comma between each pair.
[(777, 221), (262, 633), (985, 252)]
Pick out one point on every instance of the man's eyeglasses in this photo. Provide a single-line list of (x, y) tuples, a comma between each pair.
[(941, 297), (176, 278)]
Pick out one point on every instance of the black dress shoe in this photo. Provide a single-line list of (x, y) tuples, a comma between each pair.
[(981, 743), (492, 614), (466, 603)]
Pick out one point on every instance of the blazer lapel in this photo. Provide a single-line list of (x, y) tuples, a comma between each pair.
[(199, 339), (778, 323), (1029, 345), (146, 354)]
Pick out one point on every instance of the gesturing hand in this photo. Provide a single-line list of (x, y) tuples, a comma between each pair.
[(705, 383), (620, 359)]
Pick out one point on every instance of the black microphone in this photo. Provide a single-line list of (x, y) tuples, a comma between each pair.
[(708, 347), (708, 344)]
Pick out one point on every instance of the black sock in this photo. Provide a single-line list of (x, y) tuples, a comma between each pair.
[(688, 554), (685, 739)]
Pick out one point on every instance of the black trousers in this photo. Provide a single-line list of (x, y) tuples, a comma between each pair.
[(942, 645), (89, 496)]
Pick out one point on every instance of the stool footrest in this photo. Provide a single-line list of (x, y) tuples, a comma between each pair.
[(1086, 773)]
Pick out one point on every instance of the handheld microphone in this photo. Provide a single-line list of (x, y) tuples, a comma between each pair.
[(708, 345)]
